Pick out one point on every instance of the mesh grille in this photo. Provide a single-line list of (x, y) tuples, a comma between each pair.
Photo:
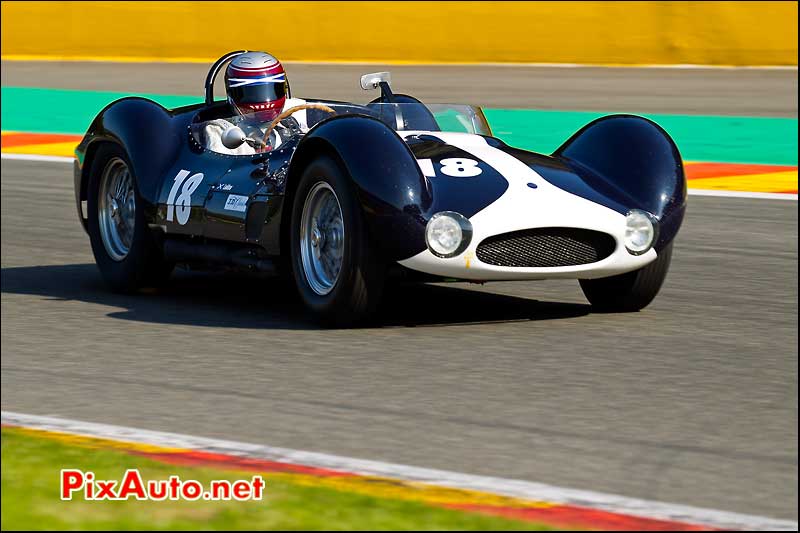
[(546, 247)]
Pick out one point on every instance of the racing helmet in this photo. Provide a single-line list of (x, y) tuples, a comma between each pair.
[(256, 85)]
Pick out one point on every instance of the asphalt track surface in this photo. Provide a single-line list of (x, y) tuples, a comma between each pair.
[(634, 90), (693, 400)]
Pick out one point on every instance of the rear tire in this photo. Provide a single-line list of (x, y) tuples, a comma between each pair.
[(631, 291), (125, 252), (344, 284)]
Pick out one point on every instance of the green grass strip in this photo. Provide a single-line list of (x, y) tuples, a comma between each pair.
[(723, 139), (30, 498), (38, 110), (726, 139)]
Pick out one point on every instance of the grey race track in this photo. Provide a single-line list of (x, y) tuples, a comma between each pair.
[(642, 90), (693, 400)]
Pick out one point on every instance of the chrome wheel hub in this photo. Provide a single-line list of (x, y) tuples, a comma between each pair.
[(321, 238), (316, 238), (116, 208)]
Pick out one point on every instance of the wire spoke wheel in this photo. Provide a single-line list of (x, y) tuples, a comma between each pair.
[(322, 235), (116, 209), (338, 273)]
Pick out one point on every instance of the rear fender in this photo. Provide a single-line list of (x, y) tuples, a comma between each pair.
[(151, 136)]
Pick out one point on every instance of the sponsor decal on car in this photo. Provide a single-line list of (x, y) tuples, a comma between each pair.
[(236, 202)]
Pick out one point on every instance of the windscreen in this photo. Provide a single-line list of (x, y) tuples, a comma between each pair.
[(397, 116)]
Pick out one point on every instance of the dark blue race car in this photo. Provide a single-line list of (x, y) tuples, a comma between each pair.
[(349, 197)]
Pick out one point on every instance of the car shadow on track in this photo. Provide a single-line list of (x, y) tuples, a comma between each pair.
[(242, 301)]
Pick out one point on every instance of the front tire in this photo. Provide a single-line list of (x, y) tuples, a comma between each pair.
[(338, 274), (124, 247), (631, 291)]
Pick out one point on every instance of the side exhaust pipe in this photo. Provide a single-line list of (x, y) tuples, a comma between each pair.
[(246, 257)]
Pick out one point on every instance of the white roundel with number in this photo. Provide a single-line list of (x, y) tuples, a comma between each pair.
[(460, 167)]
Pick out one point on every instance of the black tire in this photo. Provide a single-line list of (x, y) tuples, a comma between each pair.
[(144, 264), (358, 289), (628, 292)]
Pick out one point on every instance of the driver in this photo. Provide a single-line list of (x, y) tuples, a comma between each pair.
[(258, 91)]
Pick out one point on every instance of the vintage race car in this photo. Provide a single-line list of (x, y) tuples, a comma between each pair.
[(356, 196)]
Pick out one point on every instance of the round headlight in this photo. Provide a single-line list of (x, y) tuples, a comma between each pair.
[(448, 234), (640, 231)]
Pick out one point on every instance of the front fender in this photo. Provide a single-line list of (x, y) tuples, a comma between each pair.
[(395, 197), (639, 164)]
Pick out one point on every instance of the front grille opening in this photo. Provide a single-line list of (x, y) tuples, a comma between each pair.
[(546, 247)]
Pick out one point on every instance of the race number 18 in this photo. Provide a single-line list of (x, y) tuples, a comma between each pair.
[(457, 167), (182, 206)]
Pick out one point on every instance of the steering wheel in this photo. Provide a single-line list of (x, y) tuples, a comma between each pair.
[(289, 112)]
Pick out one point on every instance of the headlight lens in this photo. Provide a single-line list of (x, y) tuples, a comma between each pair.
[(448, 234), (640, 231)]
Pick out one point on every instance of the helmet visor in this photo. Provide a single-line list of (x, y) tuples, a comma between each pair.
[(257, 93)]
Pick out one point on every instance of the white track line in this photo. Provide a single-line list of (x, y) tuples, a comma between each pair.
[(743, 194), (32, 157), (509, 487), (694, 192)]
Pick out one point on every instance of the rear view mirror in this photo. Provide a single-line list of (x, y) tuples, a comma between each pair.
[(373, 81), (233, 138)]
